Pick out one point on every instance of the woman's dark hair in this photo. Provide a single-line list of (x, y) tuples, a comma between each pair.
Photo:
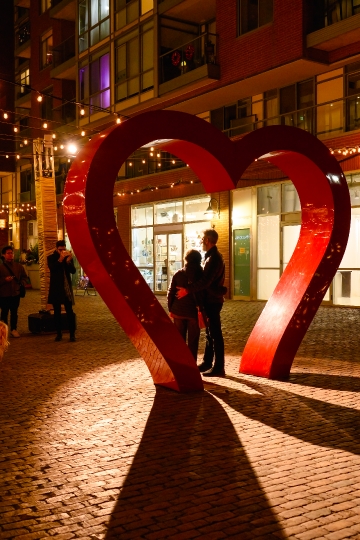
[(193, 257), (61, 243)]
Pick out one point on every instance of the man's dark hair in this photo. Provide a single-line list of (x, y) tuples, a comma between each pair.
[(212, 235), (60, 243), (5, 249)]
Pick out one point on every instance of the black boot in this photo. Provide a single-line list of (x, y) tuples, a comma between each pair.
[(204, 366), (58, 337), (72, 337), (215, 371)]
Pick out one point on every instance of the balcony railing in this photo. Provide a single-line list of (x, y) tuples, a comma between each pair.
[(329, 12), (24, 90), (64, 51), (330, 118), (65, 114), (188, 56), (23, 35)]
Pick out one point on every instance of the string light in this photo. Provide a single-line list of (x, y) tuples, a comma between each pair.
[(6, 116), (152, 188)]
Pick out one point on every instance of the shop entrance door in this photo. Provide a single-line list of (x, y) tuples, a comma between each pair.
[(241, 243), (168, 259)]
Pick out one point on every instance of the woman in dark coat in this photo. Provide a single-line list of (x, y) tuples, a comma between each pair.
[(184, 311), (61, 266)]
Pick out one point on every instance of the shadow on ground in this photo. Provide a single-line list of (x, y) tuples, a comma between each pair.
[(189, 474)]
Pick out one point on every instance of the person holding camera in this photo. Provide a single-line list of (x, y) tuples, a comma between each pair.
[(12, 275), (61, 266)]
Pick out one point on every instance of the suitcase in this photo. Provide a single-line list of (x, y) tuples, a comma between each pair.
[(44, 322)]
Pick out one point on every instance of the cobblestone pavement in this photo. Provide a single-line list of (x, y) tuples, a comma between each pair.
[(90, 449)]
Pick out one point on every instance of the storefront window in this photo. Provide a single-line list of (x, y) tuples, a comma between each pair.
[(347, 279), (142, 246), (160, 238), (268, 199), (194, 234), (141, 215), (290, 199), (195, 208), (268, 255), (169, 212)]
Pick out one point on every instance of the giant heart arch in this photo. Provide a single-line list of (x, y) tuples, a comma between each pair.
[(219, 163)]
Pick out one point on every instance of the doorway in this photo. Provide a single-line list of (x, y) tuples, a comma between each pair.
[(168, 259), (241, 246)]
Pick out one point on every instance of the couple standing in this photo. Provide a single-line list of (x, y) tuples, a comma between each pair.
[(196, 286)]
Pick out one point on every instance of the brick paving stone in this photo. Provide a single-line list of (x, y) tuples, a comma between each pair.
[(90, 449)]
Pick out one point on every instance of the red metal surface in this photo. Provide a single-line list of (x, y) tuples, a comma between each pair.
[(219, 164)]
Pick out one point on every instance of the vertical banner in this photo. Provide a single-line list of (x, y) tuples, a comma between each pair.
[(45, 208)]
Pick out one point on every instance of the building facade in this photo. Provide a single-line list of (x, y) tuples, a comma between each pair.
[(80, 66)]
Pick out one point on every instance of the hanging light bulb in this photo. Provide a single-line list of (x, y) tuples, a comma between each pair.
[(39, 98), (15, 129)]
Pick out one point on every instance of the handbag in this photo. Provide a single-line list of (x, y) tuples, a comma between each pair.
[(22, 288), (202, 318)]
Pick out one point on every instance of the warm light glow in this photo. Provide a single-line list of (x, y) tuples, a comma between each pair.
[(83, 133), (25, 141), (118, 120), (82, 111), (39, 98), (6, 116), (152, 149), (17, 157), (15, 129), (158, 155), (61, 146), (72, 149), (55, 147), (45, 125), (173, 162), (54, 135), (151, 154), (143, 161)]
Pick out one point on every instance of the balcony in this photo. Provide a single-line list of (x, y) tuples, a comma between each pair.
[(64, 61), (22, 3), (193, 63), (196, 11), (63, 9), (337, 26), (23, 97), (22, 41)]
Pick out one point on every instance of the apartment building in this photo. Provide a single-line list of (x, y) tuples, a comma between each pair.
[(80, 66)]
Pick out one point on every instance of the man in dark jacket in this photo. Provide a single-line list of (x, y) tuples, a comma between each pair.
[(12, 274), (61, 265), (212, 281)]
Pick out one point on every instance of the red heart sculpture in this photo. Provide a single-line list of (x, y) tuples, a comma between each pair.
[(219, 163)]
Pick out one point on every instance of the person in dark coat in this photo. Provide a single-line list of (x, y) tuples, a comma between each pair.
[(61, 266), (212, 281), (10, 288), (184, 311)]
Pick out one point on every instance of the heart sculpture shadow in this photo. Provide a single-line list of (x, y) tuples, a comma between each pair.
[(219, 163)]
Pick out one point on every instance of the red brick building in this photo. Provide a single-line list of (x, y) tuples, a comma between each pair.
[(239, 64)]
